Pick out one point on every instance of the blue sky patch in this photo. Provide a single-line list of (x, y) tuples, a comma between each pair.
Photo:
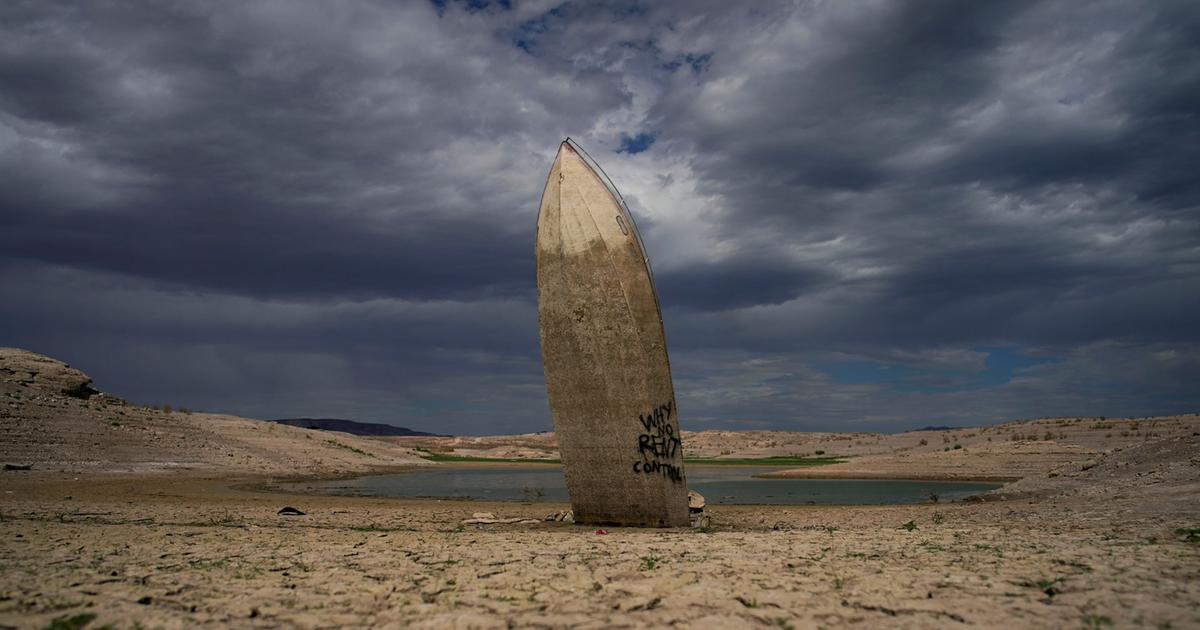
[(698, 62), (636, 144), (528, 35), (472, 5), (1003, 363)]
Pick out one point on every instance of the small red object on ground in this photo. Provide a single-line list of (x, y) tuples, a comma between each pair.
[(601, 531)]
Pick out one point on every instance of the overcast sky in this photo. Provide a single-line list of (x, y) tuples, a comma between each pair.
[(861, 215)]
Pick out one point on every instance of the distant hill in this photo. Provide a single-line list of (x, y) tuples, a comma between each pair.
[(349, 426), (935, 428)]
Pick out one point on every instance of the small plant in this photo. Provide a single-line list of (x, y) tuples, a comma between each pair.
[(649, 563), (933, 497), (818, 452), (70, 623), (1189, 534), (167, 408), (924, 442), (227, 519), (909, 526), (957, 447), (938, 518), (1097, 621)]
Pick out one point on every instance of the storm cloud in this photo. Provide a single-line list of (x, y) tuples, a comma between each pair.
[(860, 215)]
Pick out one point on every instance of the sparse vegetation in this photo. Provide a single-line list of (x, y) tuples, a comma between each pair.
[(445, 457), (782, 460), (1189, 534), (348, 447), (70, 623), (909, 526), (1097, 621), (651, 562)]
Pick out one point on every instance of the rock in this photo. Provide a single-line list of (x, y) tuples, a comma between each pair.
[(462, 621), (562, 516), (290, 511), (18, 466), (640, 603), (43, 373), (486, 518), (695, 501)]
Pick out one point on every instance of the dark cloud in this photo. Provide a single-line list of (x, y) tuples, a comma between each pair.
[(858, 213)]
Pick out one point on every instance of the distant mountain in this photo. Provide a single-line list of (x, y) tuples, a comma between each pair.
[(934, 428), (349, 426)]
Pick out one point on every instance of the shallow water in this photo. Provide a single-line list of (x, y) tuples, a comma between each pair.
[(718, 484)]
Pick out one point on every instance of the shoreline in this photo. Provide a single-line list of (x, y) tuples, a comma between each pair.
[(278, 485), (869, 476), (205, 549)]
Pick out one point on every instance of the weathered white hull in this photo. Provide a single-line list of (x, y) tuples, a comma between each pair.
[(604, 353)]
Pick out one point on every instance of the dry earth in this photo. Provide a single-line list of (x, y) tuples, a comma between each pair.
[(143, 519)]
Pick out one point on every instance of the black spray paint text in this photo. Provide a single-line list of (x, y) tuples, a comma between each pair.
[(659, 442)]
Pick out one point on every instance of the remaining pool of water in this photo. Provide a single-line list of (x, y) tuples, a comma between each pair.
[(718, 484)]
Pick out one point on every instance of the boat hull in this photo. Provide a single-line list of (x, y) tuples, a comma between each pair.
[(604, 352)]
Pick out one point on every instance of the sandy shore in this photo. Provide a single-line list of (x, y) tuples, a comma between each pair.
[(178, 551)]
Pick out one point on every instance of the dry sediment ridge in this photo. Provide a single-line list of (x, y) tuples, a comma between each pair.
[(53, 419), (1001, 452)]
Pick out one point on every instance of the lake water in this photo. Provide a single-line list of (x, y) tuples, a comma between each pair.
[(718, 484)]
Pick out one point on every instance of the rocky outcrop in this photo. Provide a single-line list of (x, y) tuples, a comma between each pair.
[(41, 373)]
